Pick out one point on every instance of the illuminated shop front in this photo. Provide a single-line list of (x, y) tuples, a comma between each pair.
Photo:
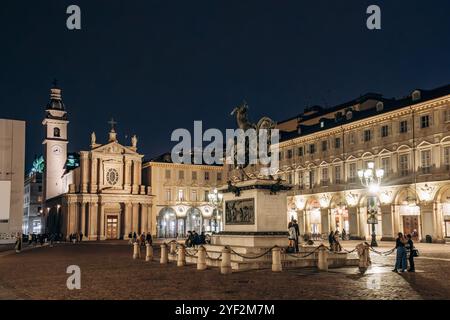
[(176, 221), (313, 214)]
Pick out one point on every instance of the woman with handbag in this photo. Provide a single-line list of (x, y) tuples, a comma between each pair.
[(412, 253)]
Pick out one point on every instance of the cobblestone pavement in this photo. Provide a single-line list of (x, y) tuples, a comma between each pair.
[(109, 272)]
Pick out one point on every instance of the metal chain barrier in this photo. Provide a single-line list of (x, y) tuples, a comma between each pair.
[(211, 258), (306, 255), (386, 253), (252, 257)]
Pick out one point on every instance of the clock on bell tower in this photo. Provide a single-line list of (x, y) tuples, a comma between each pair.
[(55, 144)]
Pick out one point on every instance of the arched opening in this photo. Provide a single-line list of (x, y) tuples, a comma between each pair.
[(56, 132), (443, 200), (408, 210), (313, 218), (194, 220), (339, 215), (167, 223)]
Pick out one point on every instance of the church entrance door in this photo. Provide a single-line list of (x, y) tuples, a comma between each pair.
[(112, 231)]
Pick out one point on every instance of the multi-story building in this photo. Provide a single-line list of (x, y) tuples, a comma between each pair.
[(33, 201), (181, 192), (12, 163), (322, 150)]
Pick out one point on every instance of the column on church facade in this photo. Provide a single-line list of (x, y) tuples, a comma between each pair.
[(149, 218), (94, 182), (72, 217), (102, 233), (135, 219), (82, 227), (128, 215), (144, 217), (64, 212), (84, 171), (93, 213), (135, 189), (127, 175)]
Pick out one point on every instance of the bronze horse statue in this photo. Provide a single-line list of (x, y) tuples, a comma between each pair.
[(244, 123)]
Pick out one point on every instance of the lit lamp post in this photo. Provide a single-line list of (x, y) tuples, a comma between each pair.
[(215, 200), (371, 179)]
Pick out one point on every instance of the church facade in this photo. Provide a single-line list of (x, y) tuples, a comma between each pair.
[(100, 193)]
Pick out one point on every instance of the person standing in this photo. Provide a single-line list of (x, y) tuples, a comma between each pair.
[(148, 238), (400, 262), (18, 244), (292, 236), (297, 234), (411, 250), (331, 240), (337, 244), (344, 235)]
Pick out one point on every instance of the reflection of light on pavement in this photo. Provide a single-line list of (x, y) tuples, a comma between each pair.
[(377, 270), (373, 282)]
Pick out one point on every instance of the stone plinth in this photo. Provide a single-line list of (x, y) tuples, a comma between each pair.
[(255, 215)]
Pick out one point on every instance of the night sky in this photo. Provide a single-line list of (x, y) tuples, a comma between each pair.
[(159, 65)]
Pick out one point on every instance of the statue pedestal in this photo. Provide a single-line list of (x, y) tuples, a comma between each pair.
[(257, 217)]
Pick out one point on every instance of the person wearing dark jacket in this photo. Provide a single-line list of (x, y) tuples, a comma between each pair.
[(148, 238), (297, 231), (410, 248), (331, 240)]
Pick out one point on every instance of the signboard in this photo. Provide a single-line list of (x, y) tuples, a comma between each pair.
[(240, 211), (5, 199)]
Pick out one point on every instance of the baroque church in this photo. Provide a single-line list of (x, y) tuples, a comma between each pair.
[(98, 192)]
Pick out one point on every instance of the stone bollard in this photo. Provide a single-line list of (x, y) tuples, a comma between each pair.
[(164, 254), (201, 258), (322, 263), (364, 257), (173, 247), (276, 260), (181, 259), (136, 251), (225, 264), (148, 252)]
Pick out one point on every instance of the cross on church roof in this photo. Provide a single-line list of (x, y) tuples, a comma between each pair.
[(55, 83), (112, 123)]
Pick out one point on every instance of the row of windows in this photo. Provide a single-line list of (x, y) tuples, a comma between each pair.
[(404, 165), (206, 175), (385, 131), (182, 197)]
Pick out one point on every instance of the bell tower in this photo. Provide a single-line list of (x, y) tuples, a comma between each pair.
[(55, 143)]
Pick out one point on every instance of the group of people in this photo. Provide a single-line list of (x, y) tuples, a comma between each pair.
[(76, 237), (194, 239), (333, 240), (142, 239), (405, 251)]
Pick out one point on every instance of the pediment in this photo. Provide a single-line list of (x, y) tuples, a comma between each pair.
[(384, 151), (115, 148), (424, 144)]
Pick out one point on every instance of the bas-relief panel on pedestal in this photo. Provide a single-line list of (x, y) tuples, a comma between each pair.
[(240, 211)]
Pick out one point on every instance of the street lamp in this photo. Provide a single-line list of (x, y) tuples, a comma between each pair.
[(371, 179), (215, 199)]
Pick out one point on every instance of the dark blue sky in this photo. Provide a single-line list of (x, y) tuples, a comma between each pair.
[(159, 65)]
